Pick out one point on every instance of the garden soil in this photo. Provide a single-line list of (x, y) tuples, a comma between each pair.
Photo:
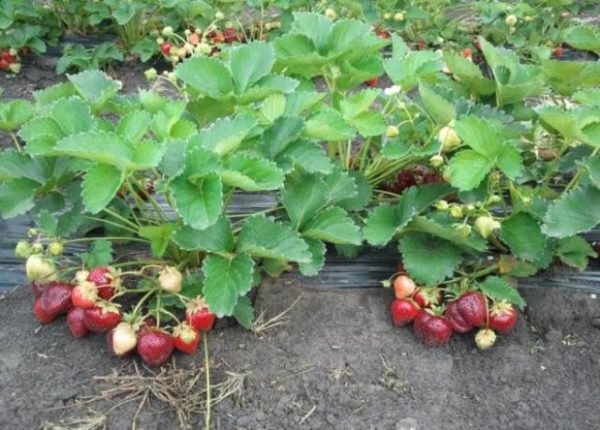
[(335, 362)]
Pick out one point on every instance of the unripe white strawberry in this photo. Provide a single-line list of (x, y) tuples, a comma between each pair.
[(442, 205), (399, 16), (485, 338), (151, 74), (23, 249), (387, 15), (486, 225), (456, 211), (449, 138), (181, 52), (39, 268), (219, 15), (392, 131), (464, 230), (37, 248), (81, 276), (55, 249), (330, 13), (436, 160), (170, 279), (123, 339), (392, 91), (511, 20), (167, 31), (13, 51)]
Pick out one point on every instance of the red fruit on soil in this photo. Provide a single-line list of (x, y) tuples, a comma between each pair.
[(404, 287), (37, 288), (428, 297), (5, 55), (558, 52), (403, 312), (472, 306), (186, 339), (431, 329), (155, 346), (84, 295), (102, 317), (373, 82), (384, 34), (41, 314), (455, 318), (230, 35), (56, 298), (217, 37), (3, 64), (503, 317), (467, 53), (76, 322), (165, 48), (199, 316)]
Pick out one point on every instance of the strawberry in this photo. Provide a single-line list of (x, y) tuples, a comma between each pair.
[(102, 317), (502, 317), (3, 64), (455, 318), (558, 52), (433, 330), (122, 339), (472, 307), (373, 82), (485, 338), (76, 322), (106, 279), (8, 57), (165, 48), (154, 346), (217, 37), (41, 314), (84, 295), (194, 39), (230, 35), (383, 34), (467, 53), (428, 297), (403, 312), (170, 279), (56, 298), (186, 339), (404, 287), (421, 44), (199, 316)]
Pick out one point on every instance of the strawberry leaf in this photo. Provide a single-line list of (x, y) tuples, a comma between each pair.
[(207, 75), (251, 173), (100, 186), (216, 238), (574, 251), (225, 280), (573, 212), (249, 63), (244, 312), (317, 251), (523, 235), (498, 289), (199, 203), (333, 225)]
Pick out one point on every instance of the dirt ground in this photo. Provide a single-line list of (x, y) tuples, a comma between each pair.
[(336, 363)]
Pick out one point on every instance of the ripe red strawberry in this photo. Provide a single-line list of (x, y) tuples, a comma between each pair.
[(558, 52), (84, 295), (122, 339), (199, 316), (467, 53), (403, 312), (76, 322), (41, 314), (455, 318), (106, 279), (186, 339), (217, 37), (56, 298), (428, 297), (154, 346), (472, 306), (503, 317), (4, 64), (421, 44), (165, 48), (404, 287), (373, 82), (37, 288), (383, 34), (102, 317), (433, 330), (404, 179), (230, 35)]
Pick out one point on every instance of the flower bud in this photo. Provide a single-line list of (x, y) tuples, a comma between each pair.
[(442, 205), (449, 138), (151, 74), (464, 230), (39, 268), (456, 211), (392, 131), (167, 31), (23, 249), (330, 13), (486, 225), (170, 279), (436, 160), (511, 20), (37, 248), (399, 16), (387, 15), (219, 15)]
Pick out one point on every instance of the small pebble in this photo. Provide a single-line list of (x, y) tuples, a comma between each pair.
[(593, 296)]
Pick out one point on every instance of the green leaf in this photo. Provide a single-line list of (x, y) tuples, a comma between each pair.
[(100, 186), (303, 196), (251, 173), (216, 238), (244, 312), (381, 225), (16, 197), (199, 203), (481, 135), (574, 251), (306, 154), (340, 186), (328, 126), (208, 75), (471, 244), (134, 125), (263, 237), (159, 237), (224, 135), (440, 109), (498, 289), (281, 134), (523, 235), (468, 168), (428, 259), (575, 211), (94, 87), (249, 63), (317, 251), (99, 146), (333, 225), (47, 222), (273, 107), (15, 113), (225, 280), (15, 165), (99, 253), (358, 103)]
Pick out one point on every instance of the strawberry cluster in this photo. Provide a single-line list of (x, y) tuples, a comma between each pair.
[(10, 60), (90, 306), (414, 176), (437, 316)]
